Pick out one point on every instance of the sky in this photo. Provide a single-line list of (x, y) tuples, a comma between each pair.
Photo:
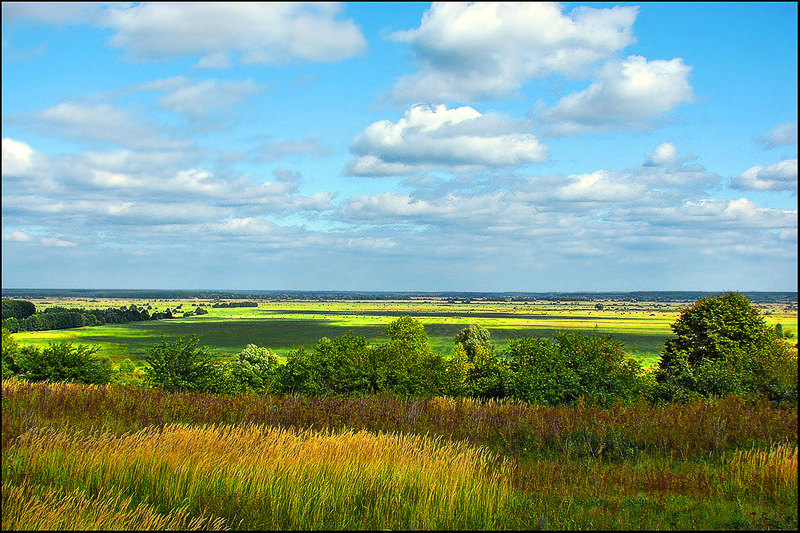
[(494, 147)]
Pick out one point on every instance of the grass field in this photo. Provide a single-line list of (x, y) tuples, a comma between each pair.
[(86, 457), (283, 326)]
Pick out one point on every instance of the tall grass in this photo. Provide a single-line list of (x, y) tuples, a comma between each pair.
[(270, 478), (29, 507), (619, 433), (387, 462)]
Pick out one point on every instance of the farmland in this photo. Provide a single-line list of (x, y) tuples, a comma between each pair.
[(643, 326)]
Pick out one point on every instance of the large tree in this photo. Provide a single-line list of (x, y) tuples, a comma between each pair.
[(724, 346)]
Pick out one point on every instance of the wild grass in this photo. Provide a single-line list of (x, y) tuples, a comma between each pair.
[(28, 507), (257, 477), (385, 462)]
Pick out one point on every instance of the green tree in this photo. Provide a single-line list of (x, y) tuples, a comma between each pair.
[(182, 366), (10, 354), (472, 338), (254, 369), (63, 361), (724, 346)]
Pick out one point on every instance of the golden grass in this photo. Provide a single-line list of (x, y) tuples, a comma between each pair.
[(34, 508), (279, 478), (765, 471)]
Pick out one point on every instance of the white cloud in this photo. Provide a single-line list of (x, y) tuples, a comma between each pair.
[(484, 50), (781, 135), (52, 12), (429, 138), (16, 236), (106, 124), (630, 94), (59, 243), (781, 176), (260, 32), (663, 154), (199, 99), (17, 157)]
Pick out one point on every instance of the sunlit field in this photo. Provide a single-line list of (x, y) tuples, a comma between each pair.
[(642, 327)]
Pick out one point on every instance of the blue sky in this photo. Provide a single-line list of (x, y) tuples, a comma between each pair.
[(408, 146)]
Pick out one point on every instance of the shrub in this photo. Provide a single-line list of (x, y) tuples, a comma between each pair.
[(63, 361), (182, 366), (254, 370), (571, 366), (10, 353), (723, 346)]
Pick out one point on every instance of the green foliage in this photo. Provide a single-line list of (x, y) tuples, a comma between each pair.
[(472, 338), (573, 366), (10, 353), (254, 370), (723, 346), (182, 366), (347, 365), (127, 375), (63, 361), (19, 309)]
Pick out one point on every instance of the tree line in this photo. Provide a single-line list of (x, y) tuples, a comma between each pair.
[(21, 315), (722, 347)]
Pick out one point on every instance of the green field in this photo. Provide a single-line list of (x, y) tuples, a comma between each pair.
[(283, 326)]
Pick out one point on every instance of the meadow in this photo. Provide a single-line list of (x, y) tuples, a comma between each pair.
[(282, 326), (79, 456)]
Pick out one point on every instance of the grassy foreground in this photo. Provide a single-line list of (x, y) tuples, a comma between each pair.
[(103, 457)]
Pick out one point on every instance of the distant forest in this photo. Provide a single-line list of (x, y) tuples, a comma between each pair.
[(456, 297)]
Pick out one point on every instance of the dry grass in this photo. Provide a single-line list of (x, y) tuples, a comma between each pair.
[(272, 478), (36, 508)]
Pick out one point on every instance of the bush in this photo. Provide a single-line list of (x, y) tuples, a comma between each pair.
[(10, 354), (62, 361), (571, 366), (254, 370), (723, 346), (181, 366)]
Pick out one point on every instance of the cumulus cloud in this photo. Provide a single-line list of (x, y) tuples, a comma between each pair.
[(781, 176), (484, 50), (259, 32), (663, 154), (428, 138), (629, 94), (781, 135), (17, 157)]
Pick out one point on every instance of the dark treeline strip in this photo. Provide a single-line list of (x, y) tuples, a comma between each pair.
[(64, 318), (760, 297), (226, 305)]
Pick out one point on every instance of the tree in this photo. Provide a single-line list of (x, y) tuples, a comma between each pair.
[(63, 361), (723, 346), (10, 353), (182, 366), (254, 369), (473, 337), (19, 309)]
